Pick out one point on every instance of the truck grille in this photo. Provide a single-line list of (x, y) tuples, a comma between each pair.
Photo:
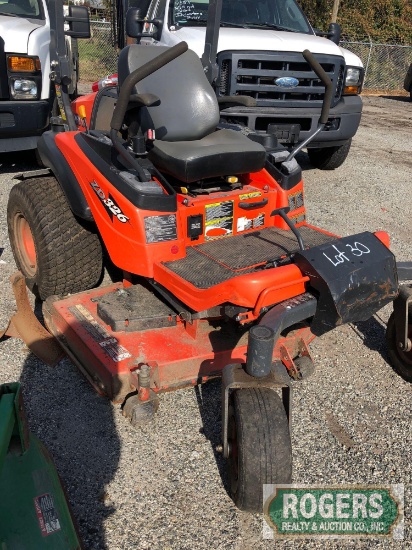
[(7, 120), (254, 75)]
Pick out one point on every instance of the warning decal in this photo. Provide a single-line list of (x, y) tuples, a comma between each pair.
[(46, 514), (219, 220), (160, 228), (246, 223), (250, 195), (105, 340)]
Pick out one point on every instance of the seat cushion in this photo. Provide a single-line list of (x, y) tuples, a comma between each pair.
[(224, 152)]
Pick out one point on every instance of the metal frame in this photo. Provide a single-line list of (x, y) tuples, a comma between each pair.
[(404, 271), (401, 313)]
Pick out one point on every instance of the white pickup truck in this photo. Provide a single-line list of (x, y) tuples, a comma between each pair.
[(26, 93), (259, 55)]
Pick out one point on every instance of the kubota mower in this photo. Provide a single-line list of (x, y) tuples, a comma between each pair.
[(222, 274)]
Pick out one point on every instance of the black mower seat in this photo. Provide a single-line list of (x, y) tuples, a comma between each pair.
[(185, 118), (223, 152)]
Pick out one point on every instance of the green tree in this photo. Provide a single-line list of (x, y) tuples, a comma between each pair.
[(386, 21)]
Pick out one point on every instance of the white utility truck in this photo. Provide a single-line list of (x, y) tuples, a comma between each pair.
[(26, 91), (258, 56)]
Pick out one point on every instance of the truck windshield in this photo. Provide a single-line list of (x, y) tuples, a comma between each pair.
[(29, 9), (267, 14)]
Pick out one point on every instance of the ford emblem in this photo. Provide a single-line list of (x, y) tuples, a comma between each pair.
[(287, 82)]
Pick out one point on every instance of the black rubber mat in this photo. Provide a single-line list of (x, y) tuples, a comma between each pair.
[(217, 261)]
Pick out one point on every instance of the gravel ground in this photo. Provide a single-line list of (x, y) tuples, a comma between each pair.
[(165, 487)]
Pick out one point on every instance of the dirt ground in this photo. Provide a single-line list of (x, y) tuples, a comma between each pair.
[(396, 117)]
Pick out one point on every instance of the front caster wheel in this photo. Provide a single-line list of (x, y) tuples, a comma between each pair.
[(400, 360), (260, 449)]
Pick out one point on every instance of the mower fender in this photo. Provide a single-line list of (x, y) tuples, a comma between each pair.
[(34, 511), (53, 158), (354, 278)]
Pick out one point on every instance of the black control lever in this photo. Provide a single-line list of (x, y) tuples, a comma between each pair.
[(327, 98)]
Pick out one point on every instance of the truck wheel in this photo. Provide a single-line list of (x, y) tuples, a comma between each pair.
[(400, 360), (55, 251), (260, 449), (329, 158)]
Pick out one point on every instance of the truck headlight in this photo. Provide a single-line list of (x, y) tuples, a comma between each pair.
[(353, 81), (24, 74), (23, 88), (23, 64)]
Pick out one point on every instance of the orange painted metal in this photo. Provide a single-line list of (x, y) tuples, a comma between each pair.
[(243, 290), (383, 237), (128, 249), (177, 358), (87, 101)]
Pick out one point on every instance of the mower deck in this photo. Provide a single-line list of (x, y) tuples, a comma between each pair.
[(180, 355)]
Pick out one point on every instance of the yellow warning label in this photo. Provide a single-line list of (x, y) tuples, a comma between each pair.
[(219, 219), (250, 195)]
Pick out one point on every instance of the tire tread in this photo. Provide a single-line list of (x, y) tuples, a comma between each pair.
[(69, 254), (329, 158), (265, 453)]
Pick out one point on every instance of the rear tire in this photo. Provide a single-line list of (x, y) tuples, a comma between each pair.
[(56, 252), (329, 158), (260, 446)]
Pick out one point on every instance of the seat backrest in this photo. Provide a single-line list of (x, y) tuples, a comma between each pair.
[(188, 108)]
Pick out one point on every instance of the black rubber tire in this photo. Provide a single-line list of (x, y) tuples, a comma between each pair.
[(56, 252), (260, 446), (329, 158), (401, 361)]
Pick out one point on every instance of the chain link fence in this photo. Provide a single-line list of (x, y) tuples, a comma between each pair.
[(98, 54), (385, 64)]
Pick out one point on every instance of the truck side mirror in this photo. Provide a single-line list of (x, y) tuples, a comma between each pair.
[(334, 32), (79, 22), (134, 25)]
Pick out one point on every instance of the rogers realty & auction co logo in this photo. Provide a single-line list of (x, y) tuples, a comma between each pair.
[(338, 511)]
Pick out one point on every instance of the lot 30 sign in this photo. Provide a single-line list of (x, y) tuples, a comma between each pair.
[(343, 511)]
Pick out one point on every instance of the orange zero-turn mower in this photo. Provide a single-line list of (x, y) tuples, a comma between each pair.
[(222, 275)]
